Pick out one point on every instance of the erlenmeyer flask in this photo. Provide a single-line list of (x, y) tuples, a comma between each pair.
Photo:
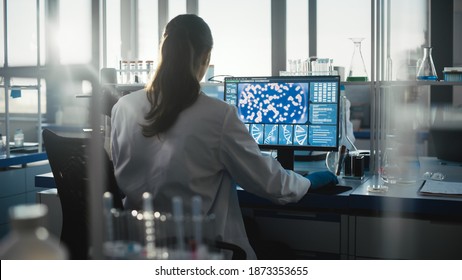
[(357, 71), (426, 69)]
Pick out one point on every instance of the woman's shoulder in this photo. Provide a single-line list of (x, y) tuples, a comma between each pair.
[(132, 101), (210, 107), (212, 101), (133, 96)]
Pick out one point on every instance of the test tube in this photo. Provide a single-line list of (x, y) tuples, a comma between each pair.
[(197, 219), (178, 219), (148, 217), (139, 72), (149, 69), (125, 72), (108, 205), (132, 72)]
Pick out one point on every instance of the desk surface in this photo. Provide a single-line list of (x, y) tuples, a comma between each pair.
[(21, 159), (402, 199)]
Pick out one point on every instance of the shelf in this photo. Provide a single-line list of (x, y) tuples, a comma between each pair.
[(21, 87), (418, 83), (357, 83), (403, 83)]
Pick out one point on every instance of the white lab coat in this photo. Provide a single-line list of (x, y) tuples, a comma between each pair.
[(207, 152)]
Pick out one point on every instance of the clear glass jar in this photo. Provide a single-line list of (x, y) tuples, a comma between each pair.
[(400, 161), (2, 146), (19, 138)]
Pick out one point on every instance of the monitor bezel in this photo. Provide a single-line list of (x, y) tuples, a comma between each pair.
[(312, 78)]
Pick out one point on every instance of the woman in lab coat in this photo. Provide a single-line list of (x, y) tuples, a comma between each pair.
[(171, 139)]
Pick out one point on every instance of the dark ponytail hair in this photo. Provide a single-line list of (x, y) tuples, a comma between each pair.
[(175, 86)]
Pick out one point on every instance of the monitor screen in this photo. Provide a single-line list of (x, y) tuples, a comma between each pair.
[(288, 112)]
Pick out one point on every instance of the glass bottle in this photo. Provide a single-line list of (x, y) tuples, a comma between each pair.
[(19, 138), (357, 72), (2, 146), (426, 68), (28, 238)]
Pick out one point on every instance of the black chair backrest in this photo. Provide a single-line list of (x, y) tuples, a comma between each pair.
[(68, 161)]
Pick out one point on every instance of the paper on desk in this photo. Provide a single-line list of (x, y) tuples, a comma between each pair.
[(441, 188)]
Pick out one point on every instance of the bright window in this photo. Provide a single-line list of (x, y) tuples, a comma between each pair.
[(148, 26), (242, 35), (74, 35), (337, 21), (27, 102), (297, 29), (22, 32), (176, 7), (408, 33), (113, 40)]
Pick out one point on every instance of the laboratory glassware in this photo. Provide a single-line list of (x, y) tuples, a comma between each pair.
[(19, 138), (29, 239), (357, 72), (426, 68), (125, 72)]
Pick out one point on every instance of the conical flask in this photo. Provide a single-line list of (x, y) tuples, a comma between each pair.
[(426, 69), (357, 71)]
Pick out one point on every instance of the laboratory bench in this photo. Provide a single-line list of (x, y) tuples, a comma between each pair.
[(17, 182), (351, 222), (400, 223)]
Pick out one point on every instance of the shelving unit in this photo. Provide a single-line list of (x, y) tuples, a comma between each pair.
[(8, 87), (17, 170)]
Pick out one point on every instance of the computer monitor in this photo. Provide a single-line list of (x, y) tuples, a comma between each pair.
[(288, 113)]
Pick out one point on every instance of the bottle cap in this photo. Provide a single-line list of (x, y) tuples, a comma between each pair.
[(28, 215)]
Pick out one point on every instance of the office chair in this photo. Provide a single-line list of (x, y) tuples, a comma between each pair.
[(237, 252), (68, 161)]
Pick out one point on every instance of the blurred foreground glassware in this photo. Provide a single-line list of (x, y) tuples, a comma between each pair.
[(357, 72), (400, 162), (29, 239), (426, 68), (149, 234)]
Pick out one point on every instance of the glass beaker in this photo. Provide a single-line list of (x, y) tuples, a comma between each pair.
[(357, 71), (426, 69), (400, 161)]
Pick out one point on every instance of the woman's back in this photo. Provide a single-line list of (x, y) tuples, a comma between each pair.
[(184, 162)]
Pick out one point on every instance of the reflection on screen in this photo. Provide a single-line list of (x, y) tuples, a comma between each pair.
[(288, 111)]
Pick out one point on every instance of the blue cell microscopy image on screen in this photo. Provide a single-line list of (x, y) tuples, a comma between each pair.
[(322, 135), (300, 135), (323, 113), (256, 130), (271, 134), (273, 103), (286, 134)]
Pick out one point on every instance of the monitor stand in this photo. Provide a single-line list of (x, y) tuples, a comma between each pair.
[(286, 158)]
